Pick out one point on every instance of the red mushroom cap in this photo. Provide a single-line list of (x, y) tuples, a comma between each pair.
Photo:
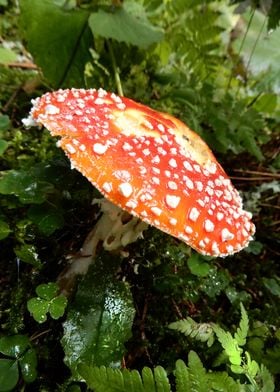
[(150, 164)]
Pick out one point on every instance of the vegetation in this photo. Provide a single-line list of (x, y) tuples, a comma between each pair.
[(159, 317)]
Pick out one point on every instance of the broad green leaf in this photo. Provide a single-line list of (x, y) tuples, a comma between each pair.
[(38, 307), (26, 186), (198, 266), (261, 48), (28, 364), (58, 39), (100, 318), (28, 254), (7, 56), (47, 291), (47, 218), (4, 230), (8, 374), (272, 285), (57, 307), (266, 103), (126, 26), (13, 346), (4, 122), (3, 146)]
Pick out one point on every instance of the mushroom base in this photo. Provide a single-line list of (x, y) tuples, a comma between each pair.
[(113, 231)]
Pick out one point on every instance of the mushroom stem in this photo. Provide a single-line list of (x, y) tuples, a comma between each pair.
[(114, 230), (115, 68)]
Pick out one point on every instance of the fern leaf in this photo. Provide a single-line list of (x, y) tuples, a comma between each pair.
[(229, 344), (242, 331), (221, 381), (198, 375), (182, 377), (102, 379), (132, 381), (266, 379), (162, 382), (148, 380), (199, 331)]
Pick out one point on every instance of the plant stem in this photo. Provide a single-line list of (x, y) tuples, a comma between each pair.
[(115, 69)]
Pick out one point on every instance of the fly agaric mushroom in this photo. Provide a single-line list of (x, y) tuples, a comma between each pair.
[(149, 164)]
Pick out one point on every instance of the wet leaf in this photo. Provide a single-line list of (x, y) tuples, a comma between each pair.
[(61, 52), (28, 364), (126, 26), (100, 318), (47, 218), (57, 307), (38, 307), (198, 266), (8, 374), (13, 346), (25, 185), (47, 291), (28, 254)]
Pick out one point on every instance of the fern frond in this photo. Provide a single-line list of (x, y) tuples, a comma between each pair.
[(102, 379), (229, 344), (198, 375), (242, 331), (199, 331), (266, 379), (182, 377), (221, 381), (162, 382)]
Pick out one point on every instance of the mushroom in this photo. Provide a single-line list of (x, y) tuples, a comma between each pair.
[(150, 165)]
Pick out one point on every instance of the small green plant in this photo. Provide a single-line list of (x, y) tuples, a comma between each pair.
[(18, 358), (48, 301)]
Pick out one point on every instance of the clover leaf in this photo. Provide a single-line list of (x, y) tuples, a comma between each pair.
[(48, 301), (17, 354)]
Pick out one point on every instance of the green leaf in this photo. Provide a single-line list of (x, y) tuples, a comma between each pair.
[(229, 344), (182, 377), (198, 266), (47, 218), (198, 375), (25, 185), (103, 379), (38, 307), (100, 318), (272, 285), (28, 364), (199, 331), (7, 56), (266, 103), (261, 47), (61, 52), (267, 379), (4, 230), (47, 291), (4, 122), (126, 26), (8, 374), (3, 146), (242, 331), (57, 307), (13, 346), (28, 254)]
